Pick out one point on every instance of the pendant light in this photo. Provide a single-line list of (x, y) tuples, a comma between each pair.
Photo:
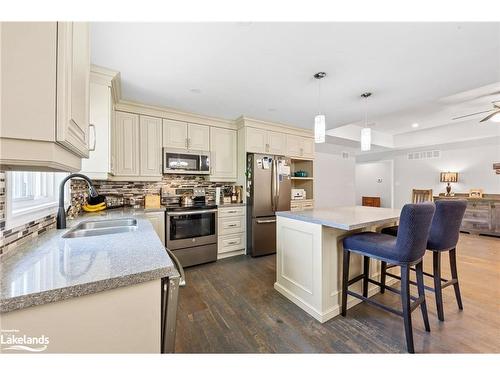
[(366, 132), (319, 119)]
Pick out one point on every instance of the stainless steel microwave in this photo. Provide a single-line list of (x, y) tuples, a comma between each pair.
[(185, 162)]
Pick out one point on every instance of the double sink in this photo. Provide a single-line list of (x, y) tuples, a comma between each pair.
[(101, 227)]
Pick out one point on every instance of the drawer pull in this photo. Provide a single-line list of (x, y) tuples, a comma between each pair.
[(232, 212), (232, 242), (232, 225)]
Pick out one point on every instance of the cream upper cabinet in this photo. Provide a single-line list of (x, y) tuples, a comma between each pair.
[(198, 137), (175, 134), (125, 159), (73, 79), (256, 140), (297, 146), (98, 165), (223, 160), (186, 136), (308, 147), (150, 146), (264, 141), (276, 143), (44, 118)]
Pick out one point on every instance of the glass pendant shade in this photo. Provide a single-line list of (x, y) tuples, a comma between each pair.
[(319, 128), (366, 139)]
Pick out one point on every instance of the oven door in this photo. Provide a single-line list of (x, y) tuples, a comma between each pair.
[(175, 162), (191, 228)]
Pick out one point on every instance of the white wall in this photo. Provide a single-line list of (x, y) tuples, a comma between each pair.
[(473, 160), (333, 179), (374, 179)]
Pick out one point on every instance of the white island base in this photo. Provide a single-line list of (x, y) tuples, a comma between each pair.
[(309, 258)]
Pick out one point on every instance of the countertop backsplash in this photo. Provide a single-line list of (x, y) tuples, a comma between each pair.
[(135, 191), (13, 237)]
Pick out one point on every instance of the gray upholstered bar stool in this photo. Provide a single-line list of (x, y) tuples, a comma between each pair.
[(405, 250), (443, 236)]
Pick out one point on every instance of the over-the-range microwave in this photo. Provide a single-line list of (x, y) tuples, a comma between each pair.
[(185, 161)]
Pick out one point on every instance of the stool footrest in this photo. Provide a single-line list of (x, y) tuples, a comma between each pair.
[(375, 303), (356, 279)]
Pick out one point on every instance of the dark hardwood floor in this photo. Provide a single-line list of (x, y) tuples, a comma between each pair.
[(230, 306)]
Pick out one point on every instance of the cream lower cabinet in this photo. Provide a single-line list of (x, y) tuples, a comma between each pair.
[(231, 228), (157, 220), (223, 154), (264, 141), (301, 205), (136, 153), (44, 114)]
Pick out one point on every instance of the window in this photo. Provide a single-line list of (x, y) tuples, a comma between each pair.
[(31, 195)]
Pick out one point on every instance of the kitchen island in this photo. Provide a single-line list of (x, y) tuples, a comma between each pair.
[(309, 255)]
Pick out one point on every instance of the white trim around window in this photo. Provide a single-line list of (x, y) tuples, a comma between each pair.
[(31, 196)]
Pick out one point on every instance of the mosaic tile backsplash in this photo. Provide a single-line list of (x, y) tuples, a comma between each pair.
[(129, 191)]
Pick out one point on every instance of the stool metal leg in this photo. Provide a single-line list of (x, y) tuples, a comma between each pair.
[(366, 275), (438, 290), (383, 274), (405, 300), (454, 275), (421, 292), (345, 280)]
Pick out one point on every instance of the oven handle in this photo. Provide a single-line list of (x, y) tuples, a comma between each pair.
[(190, 212), (182, 281)]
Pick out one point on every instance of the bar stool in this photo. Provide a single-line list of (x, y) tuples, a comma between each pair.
[(405, 250), (443, 236)]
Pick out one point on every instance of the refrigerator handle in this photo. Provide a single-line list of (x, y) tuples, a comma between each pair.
[(273, 185), (277, 184)]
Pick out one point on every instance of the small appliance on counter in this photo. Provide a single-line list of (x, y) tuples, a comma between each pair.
[(298, 194)]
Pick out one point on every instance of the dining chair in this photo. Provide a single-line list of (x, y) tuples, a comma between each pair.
[(421, 195)]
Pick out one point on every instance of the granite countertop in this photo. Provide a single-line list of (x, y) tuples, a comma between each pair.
[(51, 268), (346, 218)]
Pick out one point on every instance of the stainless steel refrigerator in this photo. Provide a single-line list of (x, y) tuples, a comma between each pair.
[(268, 191)]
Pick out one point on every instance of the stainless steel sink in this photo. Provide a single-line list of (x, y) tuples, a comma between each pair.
[(102, 227)]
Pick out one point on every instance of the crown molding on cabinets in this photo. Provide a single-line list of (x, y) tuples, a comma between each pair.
[(104, 76), (243, 121), (172, 114)]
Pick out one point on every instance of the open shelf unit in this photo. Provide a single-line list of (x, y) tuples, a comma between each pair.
[(306, 183)]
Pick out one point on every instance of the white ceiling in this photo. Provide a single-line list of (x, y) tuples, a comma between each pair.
[(264, 70)]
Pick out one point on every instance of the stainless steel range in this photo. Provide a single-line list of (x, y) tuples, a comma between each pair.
[(191, 229)]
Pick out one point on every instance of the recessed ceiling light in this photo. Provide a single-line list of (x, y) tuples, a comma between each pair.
[(414, 125), (195, 91)]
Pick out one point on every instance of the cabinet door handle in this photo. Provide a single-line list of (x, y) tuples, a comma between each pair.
[(94, 134)]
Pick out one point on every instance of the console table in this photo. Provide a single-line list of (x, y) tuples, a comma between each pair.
[(482, 215)]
